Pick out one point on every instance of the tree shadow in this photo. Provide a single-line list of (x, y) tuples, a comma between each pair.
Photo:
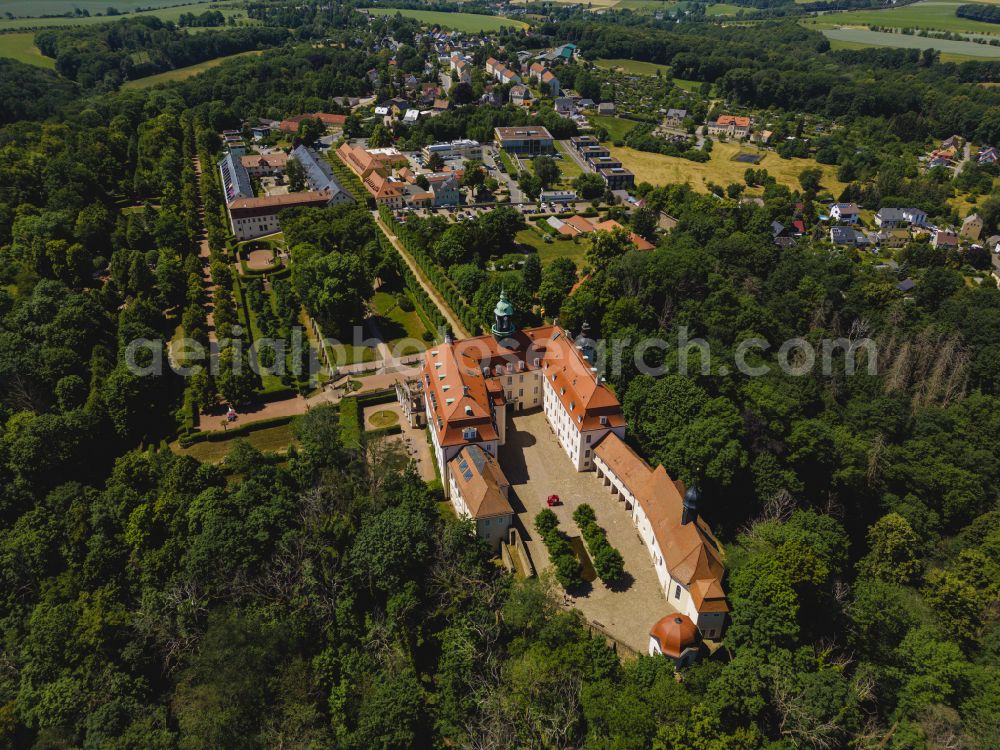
[(622, 584)]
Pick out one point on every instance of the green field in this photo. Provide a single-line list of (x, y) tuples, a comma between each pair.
[(397, 324), (22, 48), (558, 248), (954, 50), (165, 14), (470, 23), (27, 8), (617, 127), (633, 67), (929, 14), (722, 9), (267, 440), (181, 73)]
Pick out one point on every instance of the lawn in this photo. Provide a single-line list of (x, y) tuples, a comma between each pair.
[(558, 248), (658, 169), (950, 50), (397, 324), (722, 9), (22, 48), (266, 439), (567, 165), (653, 5), (180, 74), (930, 14), (469, 23), (165, 14), (633, 67), (617, 127)]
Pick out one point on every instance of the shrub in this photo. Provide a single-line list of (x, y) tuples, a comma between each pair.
[(608, 561), (405, 303), (545, 521), (584, 515)]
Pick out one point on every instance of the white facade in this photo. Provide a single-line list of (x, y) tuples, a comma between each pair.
[(493, 529), (709, 623), (255, 226), (460, 149)]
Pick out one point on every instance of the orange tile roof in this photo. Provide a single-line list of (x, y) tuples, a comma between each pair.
[(690, 551), (610, 225), (740, 122), (277, 159), (481, 483), (581, 224), (674, 633)]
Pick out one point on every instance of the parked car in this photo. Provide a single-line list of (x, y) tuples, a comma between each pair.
[(553, 500)]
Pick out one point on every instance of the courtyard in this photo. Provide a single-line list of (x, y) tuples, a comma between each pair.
[(537, 467)]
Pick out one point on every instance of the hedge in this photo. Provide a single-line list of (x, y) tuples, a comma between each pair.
[(608, 561), (214, 436), (568, 568), (376, 397), (350, 422), (395, 429)]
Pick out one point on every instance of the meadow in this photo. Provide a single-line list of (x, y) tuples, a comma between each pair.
[(657, 169), (470, 23), (617, 127), (950, 50), (29, 8), (929, 14), (633, 67), (166, 14), (21, 47), (181, 73)]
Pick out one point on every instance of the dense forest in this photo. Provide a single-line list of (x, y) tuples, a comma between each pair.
[(151, 601), (986, 13), (109, 54)]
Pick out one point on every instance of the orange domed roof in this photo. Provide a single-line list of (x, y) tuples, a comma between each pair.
[(674, 633)]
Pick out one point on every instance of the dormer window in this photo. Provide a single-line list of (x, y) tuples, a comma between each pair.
[(468, 411), (445, 387), (449, 401), (604, 420), (437, 365), (572, 404)]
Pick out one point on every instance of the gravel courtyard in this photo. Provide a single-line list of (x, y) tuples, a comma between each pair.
[(537, 467)]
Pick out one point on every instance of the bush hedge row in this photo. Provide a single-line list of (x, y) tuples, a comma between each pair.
[(437, 275), (568, 568), (350, 422), (607, 560), (186, 441)]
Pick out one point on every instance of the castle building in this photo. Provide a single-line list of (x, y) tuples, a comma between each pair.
[(471, 386)]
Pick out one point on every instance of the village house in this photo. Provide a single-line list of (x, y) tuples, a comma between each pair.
[(606, 108), (265, 165), (944, 238), (890, 218), (845, 212), (972, 227), (675, 118), (563, 105), (847, 236), (471, 386), (520, 95)]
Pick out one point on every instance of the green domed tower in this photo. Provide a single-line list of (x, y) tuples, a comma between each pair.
[(503, 324)]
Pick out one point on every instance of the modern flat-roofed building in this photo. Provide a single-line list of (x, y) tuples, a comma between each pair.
[(524, 140), (460, 149), (618, 178)]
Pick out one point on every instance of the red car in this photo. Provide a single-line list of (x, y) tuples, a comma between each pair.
[(553, 500)]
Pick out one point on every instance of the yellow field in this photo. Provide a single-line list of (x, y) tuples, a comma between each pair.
[(181, 73), (657, 169)]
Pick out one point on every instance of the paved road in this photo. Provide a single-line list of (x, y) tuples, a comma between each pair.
[(456, 325), (445, 82), (567, 148), (516, 196)]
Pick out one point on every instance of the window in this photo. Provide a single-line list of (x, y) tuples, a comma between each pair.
[(710, 634), (588, 438), (520, 391), (677, 592), (486, 522), (587, 452)]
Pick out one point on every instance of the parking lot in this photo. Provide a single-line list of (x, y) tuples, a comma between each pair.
[(537, 467)]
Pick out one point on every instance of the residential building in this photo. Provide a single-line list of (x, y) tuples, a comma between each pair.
[(524, 140), (845, 212), (618, 178), (847, 236), (675, 118), (597, 163), (731, 125), (549, 83), (890, 218), (944, 238), (291, 124), (580, 142), (479, 490), (265, 165), (972, 227), (592, 153), (460, 149), (260, 132), (520, 95), (606, 108)]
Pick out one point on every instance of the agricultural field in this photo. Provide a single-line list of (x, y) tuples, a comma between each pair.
[(469, 23), (28, 8), (929, 14), (652, 5), (166, 14), (657, 169), (21, 47), (182, 73), (950, 50)]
